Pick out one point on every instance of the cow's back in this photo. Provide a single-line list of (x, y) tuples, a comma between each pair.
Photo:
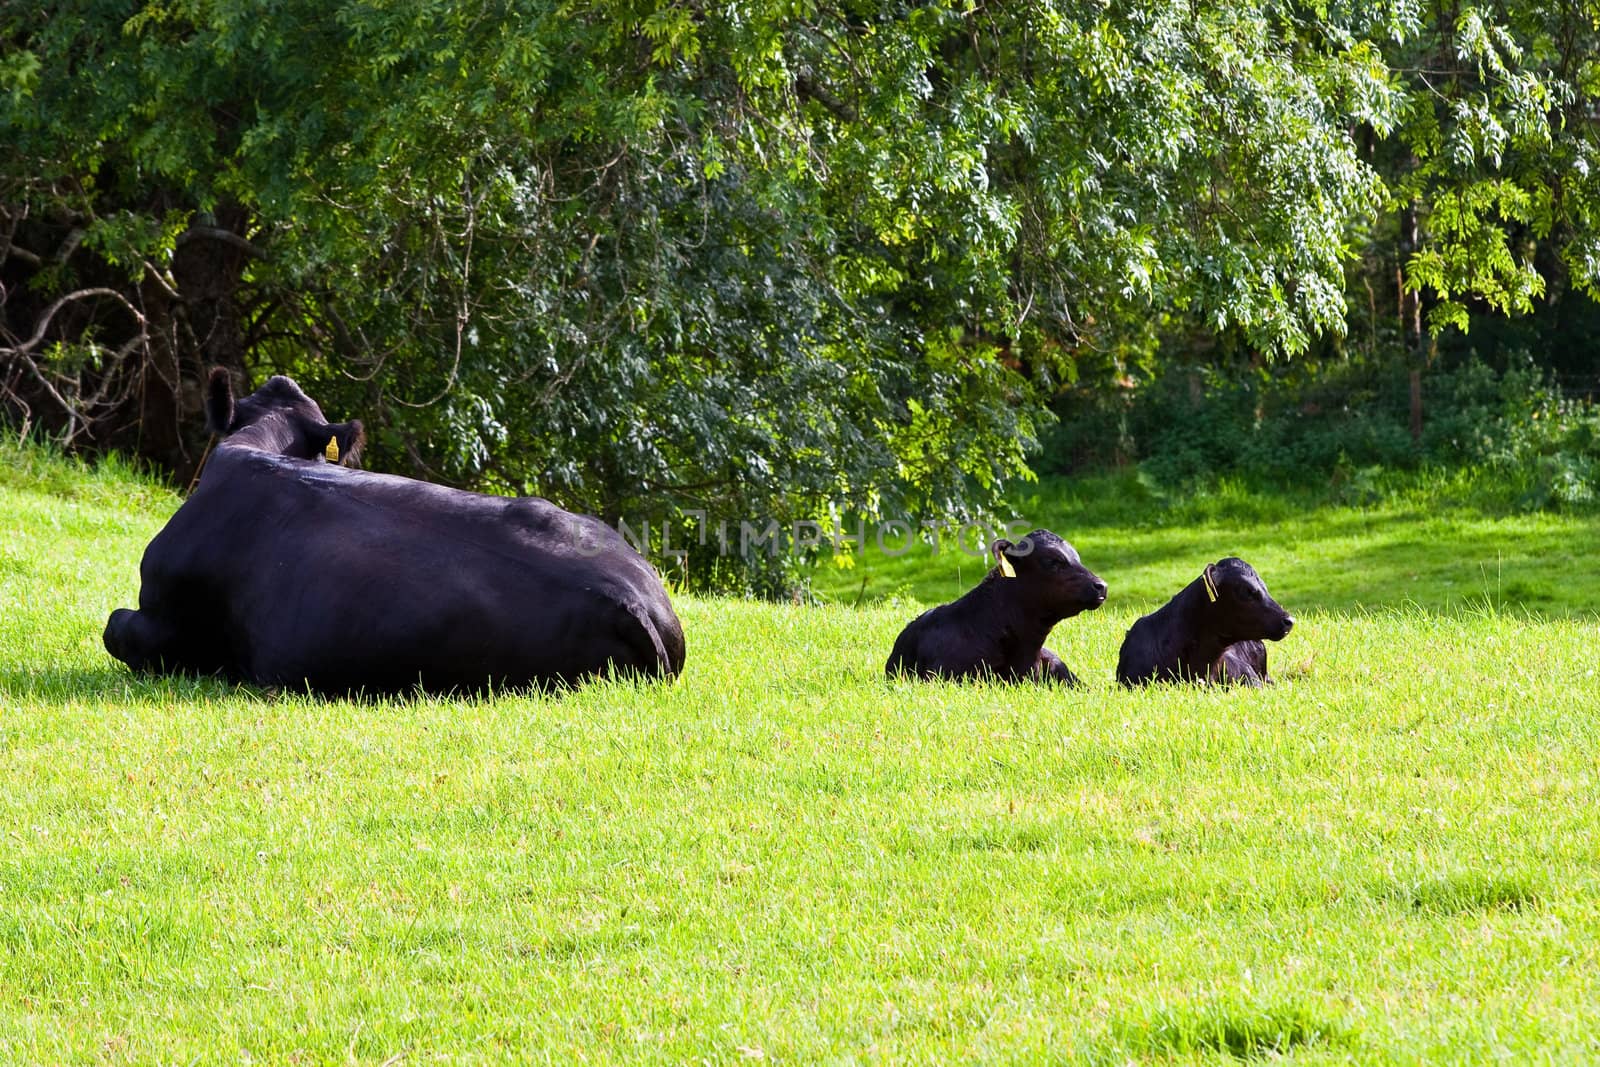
[(1143, 654), (349, 580), (952, 641)]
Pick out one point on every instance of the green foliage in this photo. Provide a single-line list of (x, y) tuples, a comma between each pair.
[(1342, 426), (646, 258), (757, 260), (1495, 150)]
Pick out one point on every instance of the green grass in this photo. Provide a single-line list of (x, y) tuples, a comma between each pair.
[(1417, 550), (1388, 857)]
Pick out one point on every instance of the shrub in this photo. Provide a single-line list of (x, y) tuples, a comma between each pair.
[(1345, 425)]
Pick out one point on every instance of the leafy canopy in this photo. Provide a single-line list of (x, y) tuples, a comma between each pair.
[(766, 258)]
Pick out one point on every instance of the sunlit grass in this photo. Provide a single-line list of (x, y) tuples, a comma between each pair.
[(1419, 549), (1388, 857)]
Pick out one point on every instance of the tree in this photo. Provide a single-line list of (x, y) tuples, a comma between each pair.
[(771, 259), (1491, 168)]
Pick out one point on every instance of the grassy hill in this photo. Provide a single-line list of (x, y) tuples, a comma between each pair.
[(1388, 857)]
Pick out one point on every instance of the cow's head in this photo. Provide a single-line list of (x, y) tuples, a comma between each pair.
[(1245, 611), (1045, 571), (279, 418)]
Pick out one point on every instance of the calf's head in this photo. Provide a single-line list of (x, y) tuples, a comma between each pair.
[(1044, 571), (1243, 608), (280, 418)]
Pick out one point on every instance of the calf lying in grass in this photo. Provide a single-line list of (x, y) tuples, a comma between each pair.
[(1210, 632), (998, 629)]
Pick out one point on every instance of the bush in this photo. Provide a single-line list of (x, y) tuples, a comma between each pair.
[(1345, 425)]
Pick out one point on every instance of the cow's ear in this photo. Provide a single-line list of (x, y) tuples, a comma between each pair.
[(345, 442), (1001, 547), (219, 401)]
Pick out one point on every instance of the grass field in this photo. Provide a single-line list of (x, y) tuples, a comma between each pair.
[(1391, 856), (1419, 550)]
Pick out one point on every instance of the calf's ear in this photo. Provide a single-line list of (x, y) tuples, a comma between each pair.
[(345, 442), (1001, 547), (219, 401)]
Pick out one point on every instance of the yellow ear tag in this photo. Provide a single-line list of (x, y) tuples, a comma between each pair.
[(1006, 568), (332, 454), (1211, 589)]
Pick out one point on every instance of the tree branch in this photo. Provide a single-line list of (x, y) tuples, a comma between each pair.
[(227, 237), (50, 313)]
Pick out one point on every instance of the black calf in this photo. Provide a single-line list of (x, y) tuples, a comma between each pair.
[(1000, 626), (1210, 632)]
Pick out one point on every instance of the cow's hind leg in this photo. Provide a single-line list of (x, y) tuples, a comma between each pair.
[(141, 641), (1050, 667), (1244, 663), (643, 652)]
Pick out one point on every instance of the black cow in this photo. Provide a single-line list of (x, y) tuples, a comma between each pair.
[(287, 567), (999, 627), (1210, 632)]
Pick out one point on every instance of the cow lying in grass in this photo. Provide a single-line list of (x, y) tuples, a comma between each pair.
[(286, 567), (1210, 632), (998, 629)]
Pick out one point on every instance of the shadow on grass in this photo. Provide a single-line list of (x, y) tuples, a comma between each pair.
[(1464, 893), (113, 683), (1012, 839), (1243, 1031)]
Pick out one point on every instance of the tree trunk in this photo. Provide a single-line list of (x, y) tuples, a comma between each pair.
[(1411, 316), (1416, 405)]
